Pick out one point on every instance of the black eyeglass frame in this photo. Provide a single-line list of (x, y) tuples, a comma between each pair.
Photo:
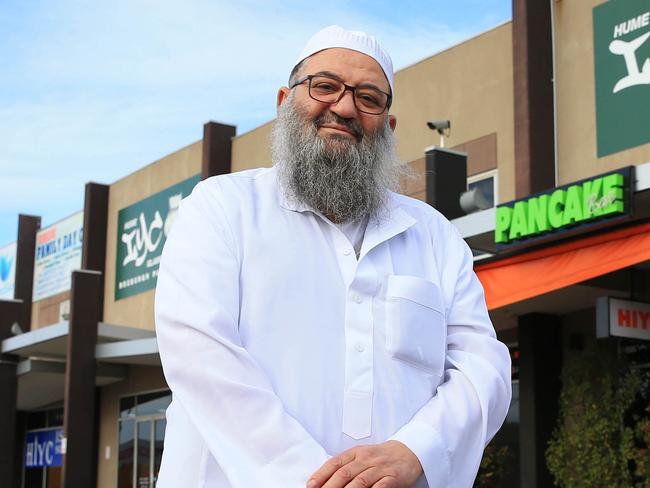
[(352, 89)]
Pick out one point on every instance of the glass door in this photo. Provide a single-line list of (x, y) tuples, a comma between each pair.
[(158, 440), (141, 446), (143, 465), (141, 435)]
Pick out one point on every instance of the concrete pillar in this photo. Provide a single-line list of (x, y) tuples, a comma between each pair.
[(28, 225), (446, 177), (10, 312), (93, 255), (540, 365), (79, 415), (217, 149), (533, 85)]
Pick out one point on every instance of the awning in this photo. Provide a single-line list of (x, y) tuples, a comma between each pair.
[(143, 352), (41, 382), (51, 341), (534, 273)]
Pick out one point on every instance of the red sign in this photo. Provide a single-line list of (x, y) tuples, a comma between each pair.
[(622, 318)]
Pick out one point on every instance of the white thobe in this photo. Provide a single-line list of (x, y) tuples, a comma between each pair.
[(281, 348)]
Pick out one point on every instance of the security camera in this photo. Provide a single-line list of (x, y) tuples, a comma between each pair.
[(442, 127), (439, 125)]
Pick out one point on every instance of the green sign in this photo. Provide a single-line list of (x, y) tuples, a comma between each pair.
[(142, 229), (622, 73), (577, 204)]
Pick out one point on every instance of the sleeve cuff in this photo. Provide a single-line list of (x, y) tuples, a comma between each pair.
[(426, 443)]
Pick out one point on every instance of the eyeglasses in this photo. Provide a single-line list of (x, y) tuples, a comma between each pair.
[(367, 99)]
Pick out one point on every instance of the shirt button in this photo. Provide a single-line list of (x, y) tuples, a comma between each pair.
[(357, 298), (360, 347), (346, 252)]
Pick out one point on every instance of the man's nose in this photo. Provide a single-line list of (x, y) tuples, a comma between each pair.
[(345, 107)]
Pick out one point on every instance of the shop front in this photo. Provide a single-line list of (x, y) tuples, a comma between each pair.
[(569, 279)]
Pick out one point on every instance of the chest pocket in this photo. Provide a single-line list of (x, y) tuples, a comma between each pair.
[(416, 331)]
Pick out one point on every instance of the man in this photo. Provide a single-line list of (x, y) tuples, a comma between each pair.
[(315, 328)]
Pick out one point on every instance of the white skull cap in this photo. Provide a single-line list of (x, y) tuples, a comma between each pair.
[(335, 36)]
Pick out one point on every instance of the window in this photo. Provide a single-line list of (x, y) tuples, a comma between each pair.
[(141, 434), (486, 183)]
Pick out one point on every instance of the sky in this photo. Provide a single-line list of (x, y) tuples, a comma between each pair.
[(92, 90)]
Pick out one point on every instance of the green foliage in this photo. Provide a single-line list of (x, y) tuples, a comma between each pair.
[(494, 465), (642, 451), (592, 446)]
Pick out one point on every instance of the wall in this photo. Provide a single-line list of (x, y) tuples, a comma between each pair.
[(137, 310), (251, 150), (46, 311), (576, 109), (470, 84)]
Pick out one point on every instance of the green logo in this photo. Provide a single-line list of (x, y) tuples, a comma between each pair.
[(142, 230), (622, 73), (566, 206)]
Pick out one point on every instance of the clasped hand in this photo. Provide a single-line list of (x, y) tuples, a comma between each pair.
[(387, 465)]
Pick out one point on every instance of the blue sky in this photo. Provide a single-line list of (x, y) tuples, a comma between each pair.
[(92, 91)]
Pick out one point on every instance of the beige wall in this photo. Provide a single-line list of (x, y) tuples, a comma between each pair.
[(576, 106), (141, 379), (470, 84), (137, 310), (46, 311), (251, 150)]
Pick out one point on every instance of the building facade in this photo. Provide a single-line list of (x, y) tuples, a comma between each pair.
[(547, 122)]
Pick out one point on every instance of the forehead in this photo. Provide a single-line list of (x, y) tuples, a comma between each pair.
[(352, 66)]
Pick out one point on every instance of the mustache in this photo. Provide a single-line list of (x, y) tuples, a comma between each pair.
[(330, 117)]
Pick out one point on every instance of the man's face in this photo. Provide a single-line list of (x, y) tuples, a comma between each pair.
[(354, 69), (332, 157)]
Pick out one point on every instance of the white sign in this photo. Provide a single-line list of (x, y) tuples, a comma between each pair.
[(58, 254), (7, 271), (628, 49), (622, 318)]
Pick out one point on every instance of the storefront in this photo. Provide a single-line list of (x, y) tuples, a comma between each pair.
[(564, 169)]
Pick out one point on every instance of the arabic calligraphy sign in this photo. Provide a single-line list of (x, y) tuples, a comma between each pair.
[(142, 229), (622, 72)]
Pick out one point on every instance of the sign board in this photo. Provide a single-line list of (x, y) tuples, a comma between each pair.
[(575, 207), (44, 448), (142, 229), (622, 74), (58, 254), (7, 271), (622, 318)]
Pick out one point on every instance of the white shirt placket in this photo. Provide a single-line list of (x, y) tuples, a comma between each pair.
[(361, 282)]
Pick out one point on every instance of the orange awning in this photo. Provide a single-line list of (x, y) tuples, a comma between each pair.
[(531, 274)]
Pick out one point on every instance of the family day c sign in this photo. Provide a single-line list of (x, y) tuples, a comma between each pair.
[(581, 204), (622, 74)]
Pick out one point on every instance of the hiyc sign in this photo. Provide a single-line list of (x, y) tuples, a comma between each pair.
[(43, 448), (622, 318)]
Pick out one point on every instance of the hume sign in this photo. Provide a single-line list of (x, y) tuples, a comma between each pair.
[(622, 74), (578, 205)]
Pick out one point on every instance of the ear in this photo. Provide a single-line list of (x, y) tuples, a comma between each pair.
[(392, 121), (283, 93)]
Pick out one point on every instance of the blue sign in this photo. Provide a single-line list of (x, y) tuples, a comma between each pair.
[(43, 448), (7, 271)]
